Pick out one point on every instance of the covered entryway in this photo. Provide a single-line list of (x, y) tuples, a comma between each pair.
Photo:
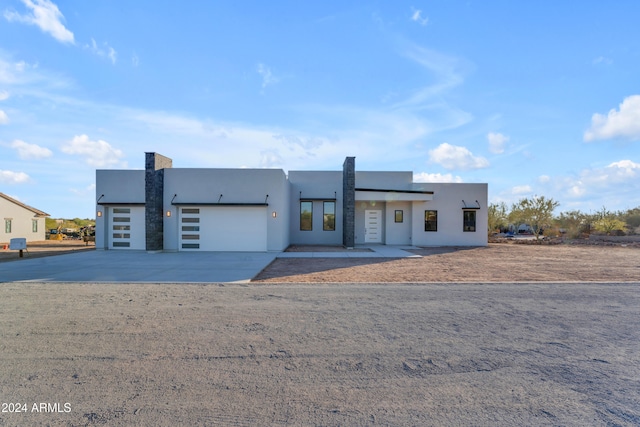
[(230, 228)]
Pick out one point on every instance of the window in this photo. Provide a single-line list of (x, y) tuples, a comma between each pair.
[(469, 221), (121, 219), (329, 216), (7, 226), (191, 220), (121, 210), (34, 225), (399, 216), (190, 211), (430, 220), (306, 216)]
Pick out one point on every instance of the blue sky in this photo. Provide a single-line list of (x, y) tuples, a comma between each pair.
[(533, 98)]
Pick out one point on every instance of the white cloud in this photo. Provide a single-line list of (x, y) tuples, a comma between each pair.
[(417, 17), (28, 151), (435, 177), (104, 51), (90, 190), (96, 153), (602, 60), (267, 76), (135, 60), (448, 73), (4, 95), (456, 157), (9, 177), (521, 189), (270, 159), (46, 16), (497, 142), (623, 123), (543, 179), (4, 119), (621, 177)]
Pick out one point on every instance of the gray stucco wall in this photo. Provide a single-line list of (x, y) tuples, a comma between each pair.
[(236, 186), (317, 185), (117, 186), (447, 200), (384, 180)]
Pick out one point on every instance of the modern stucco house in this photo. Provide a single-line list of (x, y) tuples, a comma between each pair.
[(20, 220), (163, 208)]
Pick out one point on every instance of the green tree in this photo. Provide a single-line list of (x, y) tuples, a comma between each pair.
[(574, 223), (536, 212), (632, 218), (608, 222), (497, 216)]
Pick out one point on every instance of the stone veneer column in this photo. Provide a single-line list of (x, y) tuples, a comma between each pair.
[(153, 194), (349, 202)]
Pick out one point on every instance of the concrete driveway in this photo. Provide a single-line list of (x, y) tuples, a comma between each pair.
[(139, 266)]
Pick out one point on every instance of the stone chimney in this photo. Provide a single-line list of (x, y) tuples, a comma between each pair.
[(154, 207), (349, 202)]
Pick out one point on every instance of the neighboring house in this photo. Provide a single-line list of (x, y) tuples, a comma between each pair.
[(194, 209), (20, 220)]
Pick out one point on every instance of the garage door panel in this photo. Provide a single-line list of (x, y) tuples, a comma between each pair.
[(240, 229), (126, 228)]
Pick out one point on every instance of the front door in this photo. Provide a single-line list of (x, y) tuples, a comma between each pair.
[(372, 226)]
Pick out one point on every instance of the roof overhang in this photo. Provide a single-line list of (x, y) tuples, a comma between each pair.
[(121, 203), (365, 194), (217, 204)]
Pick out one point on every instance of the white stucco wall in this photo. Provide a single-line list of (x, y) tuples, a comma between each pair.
[(21, 223)]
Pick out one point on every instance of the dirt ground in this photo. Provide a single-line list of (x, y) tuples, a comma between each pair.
[(498, 262), (45, 248), (320, 354)]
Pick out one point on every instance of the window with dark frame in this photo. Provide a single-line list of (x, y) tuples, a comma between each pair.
[(430, 220), (329, 216), (306, 216), (469, 221), (399, 216)]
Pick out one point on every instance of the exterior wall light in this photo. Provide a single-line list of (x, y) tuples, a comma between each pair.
[(99, 214), (274, 214), (168, 214)]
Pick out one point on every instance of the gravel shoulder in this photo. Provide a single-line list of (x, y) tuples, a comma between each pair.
[(552, 346), (321, 354)]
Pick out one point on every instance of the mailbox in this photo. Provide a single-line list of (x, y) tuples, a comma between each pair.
[(18, 243)]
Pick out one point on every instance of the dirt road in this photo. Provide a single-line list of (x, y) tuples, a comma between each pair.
[(321, 354)]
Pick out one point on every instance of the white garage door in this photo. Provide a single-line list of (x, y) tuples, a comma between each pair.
[(224, 228), (126, 228)]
